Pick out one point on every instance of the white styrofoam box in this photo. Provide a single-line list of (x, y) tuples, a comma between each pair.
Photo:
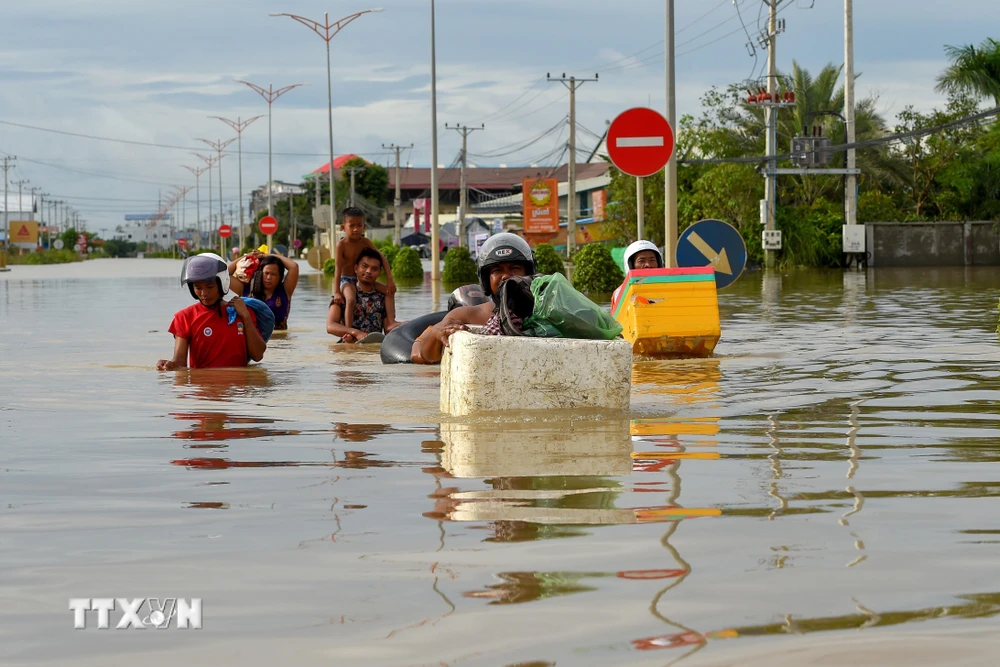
[(502, 373), (854, 238), (537, 448)]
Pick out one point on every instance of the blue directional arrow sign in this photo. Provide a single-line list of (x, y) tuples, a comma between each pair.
[(716, 243)]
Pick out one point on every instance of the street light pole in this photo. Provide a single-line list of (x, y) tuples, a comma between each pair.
[(269, 95), (220, 146), (435, 234), (197, 188), (209, 161), (328, 31), (239, 125)]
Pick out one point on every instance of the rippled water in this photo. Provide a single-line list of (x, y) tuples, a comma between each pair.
[(828, 479)]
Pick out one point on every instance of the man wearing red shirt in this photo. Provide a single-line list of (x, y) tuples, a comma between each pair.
[(204, 330)]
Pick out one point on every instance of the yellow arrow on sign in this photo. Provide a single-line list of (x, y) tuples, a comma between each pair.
[(718, 260)]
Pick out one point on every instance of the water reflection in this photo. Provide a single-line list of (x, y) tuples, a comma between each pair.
[(687, 381), (222, 383), (215, 427)]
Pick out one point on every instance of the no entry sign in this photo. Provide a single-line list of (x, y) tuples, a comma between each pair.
[(225, 231), (268, 225), (640, 141)]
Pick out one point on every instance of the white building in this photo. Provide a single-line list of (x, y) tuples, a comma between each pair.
[(144, 229)]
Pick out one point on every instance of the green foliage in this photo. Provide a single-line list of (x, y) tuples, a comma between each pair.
[(406, 265), (116, 248), (459, 267), (330, 266), (372, 183), (548, 260), (387, 248), (594, 270), (45, 257), (973, 70), (69, 238), (875, 206)]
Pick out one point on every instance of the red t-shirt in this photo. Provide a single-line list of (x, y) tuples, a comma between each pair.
[(212, 341)]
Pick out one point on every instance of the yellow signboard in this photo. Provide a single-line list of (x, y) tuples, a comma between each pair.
[(23, 234)]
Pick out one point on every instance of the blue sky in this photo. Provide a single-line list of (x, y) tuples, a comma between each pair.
[(154, 71)]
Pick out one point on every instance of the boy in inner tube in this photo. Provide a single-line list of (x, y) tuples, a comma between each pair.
[(502, 256)]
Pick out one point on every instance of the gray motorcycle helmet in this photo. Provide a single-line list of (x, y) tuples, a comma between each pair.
[(205, 267), (500, 248)]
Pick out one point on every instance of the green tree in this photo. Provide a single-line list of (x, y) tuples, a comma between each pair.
[(973, 70), (459, 267), (407, 265), (372, 182), (548, 260), (69, 238), (595, 271)]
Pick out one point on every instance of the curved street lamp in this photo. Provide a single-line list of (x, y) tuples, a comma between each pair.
[(328, 31)]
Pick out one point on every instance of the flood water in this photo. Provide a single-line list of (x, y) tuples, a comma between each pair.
[(826, 485)]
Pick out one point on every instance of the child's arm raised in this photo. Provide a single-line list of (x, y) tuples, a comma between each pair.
[(390, 283)]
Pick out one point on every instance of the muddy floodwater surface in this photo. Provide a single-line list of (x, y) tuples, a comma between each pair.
[(824, 488)]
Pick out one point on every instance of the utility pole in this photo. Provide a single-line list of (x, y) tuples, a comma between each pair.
[(851, 187), (670, 172), (8, 162), (463, 197), (396, 203), (352, 171), (292, 231), (238, 126), (771, 121), (572, 83)]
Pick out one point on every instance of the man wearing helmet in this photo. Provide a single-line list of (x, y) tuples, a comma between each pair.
[(501, 257), (204, 331), (639, 255)]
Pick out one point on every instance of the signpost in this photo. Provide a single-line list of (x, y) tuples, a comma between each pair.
[(268, 225), (640, 142), (225, 231), (715, 243)]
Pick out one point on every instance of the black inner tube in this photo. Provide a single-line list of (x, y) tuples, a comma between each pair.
[(399, 342)]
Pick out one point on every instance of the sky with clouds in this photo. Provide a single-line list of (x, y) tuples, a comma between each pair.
[(154, 71)]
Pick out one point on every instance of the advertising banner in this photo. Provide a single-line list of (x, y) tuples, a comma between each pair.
[(600, 199), (541, 205)]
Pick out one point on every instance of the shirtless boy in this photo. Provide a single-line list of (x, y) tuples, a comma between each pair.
[(348, 249)]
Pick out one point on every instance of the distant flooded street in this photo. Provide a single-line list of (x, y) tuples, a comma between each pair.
[(828, 481)]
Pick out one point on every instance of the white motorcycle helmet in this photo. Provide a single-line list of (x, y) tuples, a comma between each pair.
[(205, 267), (628, 261)]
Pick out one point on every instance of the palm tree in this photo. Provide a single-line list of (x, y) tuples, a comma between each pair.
[(973, 70)]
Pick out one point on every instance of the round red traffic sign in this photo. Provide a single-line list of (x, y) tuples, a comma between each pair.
[(225, 231), (182, 242), (640, 141), (268, 224)]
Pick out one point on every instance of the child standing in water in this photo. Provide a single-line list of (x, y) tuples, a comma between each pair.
[(348, 250)]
